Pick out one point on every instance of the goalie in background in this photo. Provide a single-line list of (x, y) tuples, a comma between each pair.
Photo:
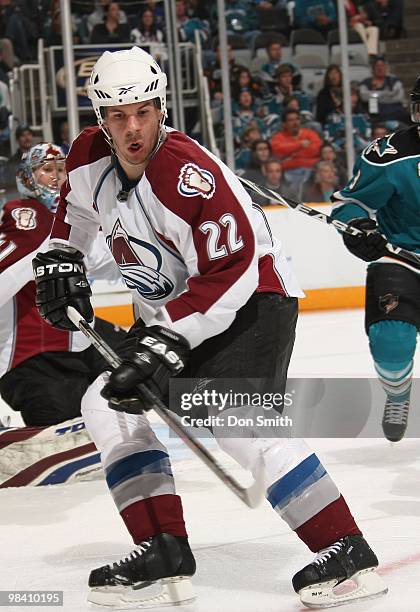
[(383, 197), (44, 371)]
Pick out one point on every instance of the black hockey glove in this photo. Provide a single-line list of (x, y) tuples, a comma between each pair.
[(150, 355), (60, 282), (369, 246)]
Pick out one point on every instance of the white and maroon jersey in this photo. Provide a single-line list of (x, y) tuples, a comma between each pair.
[(25, 228), (187, 238)]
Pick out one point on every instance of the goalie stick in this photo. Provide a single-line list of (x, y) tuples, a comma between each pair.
[(250, 496), (408, 258)]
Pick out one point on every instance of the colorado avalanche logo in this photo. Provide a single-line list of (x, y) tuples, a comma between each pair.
[(140, 263), (25, 218), (194, 181)]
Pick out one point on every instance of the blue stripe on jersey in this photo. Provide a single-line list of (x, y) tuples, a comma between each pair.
[(294, 483), (145, 462)]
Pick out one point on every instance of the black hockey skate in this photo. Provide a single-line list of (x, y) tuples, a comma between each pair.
[(394, 422), (349, 558), (162, 559)]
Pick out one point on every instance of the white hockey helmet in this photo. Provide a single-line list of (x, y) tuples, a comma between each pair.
[(126, 77)]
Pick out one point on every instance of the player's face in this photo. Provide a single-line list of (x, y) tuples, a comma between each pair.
[(51, 174), (134, 129)]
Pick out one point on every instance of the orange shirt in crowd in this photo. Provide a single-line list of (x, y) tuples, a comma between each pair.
[(301, 151)]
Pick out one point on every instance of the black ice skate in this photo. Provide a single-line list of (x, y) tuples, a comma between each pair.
[(164, 560), (349, 558), (394, 422)]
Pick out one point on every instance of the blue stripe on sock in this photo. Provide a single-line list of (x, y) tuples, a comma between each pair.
[(296, 481), (146, 462)]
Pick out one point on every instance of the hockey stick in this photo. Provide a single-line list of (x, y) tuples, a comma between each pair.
[(398, 253), (251, 496)]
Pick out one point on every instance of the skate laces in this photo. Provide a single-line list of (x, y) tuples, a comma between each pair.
[(396, 413), (327, 553), (137, 552)]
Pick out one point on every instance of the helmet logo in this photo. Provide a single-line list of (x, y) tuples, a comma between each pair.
[(125, 90)]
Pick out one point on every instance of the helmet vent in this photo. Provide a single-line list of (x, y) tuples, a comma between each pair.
[(153, 69), (96, 79), (101, 94), (153, 85)]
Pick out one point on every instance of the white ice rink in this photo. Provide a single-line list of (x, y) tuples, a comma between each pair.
[(51, 537)]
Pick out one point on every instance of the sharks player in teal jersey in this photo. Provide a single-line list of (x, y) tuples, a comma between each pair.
[(383, 197)]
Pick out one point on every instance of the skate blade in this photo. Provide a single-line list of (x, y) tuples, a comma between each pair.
[(368, 585), (175, 591)]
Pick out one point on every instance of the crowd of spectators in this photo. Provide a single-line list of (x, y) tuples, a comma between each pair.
[(284, 134)]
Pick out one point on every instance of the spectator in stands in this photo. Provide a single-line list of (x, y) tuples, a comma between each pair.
[(111, 30), (244, 80), (243, 153), (272, 172), (214, 74), (98, 15), (329, 154), (387, 15), (298, 148), (318, 14), (244, 112), (379, 130), (158, 11), (25, 140), (146, 31), (14, 27), (336, 129), (188, 26), (383, 94), (284, 88), (268, 70), (359, 20), (52, 30), (306, 117), (330, 97), (323, 184), (261, 152), (241, 18)]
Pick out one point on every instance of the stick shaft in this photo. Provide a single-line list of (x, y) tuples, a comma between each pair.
[(157, 405), (398, 253)]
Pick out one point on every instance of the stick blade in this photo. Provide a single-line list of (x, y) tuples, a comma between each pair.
[(254, 495)]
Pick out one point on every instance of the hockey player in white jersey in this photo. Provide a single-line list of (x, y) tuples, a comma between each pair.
[(216, 293)]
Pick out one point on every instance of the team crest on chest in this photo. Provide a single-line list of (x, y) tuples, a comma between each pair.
[(25, 218), (140, 264), (194, 181)]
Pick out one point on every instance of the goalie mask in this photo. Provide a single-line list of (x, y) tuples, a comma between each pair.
[(41, 173), (415, 102), (126, 77)]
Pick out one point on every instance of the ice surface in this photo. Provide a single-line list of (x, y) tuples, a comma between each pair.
[(51, 537)]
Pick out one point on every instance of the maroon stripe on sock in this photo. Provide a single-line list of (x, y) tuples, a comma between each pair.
[(330, 524), (148, 517)]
